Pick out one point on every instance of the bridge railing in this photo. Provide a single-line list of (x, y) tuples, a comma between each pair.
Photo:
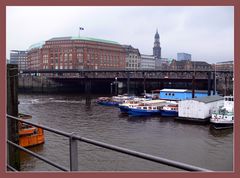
[(118, 70), (124, 73), (73, 139)]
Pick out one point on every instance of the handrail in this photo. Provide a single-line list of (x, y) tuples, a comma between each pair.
[(73, 150), (11, 168), (38, 156)]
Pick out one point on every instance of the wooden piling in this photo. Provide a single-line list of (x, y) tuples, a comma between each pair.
[(13, 156)]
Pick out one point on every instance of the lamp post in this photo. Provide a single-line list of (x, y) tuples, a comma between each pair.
[(111, 87), (193, 81), (215, 81), (116, 86)]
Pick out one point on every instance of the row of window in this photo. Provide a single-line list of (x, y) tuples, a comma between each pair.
[(92, 56), (228, 99), (169, 94)]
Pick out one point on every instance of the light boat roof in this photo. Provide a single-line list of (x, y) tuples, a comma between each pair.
[(173, 90), (154, 101)]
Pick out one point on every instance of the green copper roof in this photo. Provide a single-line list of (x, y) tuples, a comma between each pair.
[(37, 45), (94, 39), (40, 44)]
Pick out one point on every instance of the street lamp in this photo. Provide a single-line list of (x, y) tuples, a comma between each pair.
[(116, 86), (111, 87), (215, 80)]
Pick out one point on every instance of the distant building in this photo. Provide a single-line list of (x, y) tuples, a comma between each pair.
[(184, 56), (20, 58), (156, 47), (147, 61), (163, 63), (226, 65), (133, 57), (190, 65), (77, 53), (200, 65)]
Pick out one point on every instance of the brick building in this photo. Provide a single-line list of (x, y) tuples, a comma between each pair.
[(226, 65), (190, 65), (76, 53)]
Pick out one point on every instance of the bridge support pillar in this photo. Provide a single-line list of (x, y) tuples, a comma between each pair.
[(214, 83), (87, 91), (193, 86), (209, 83), (144, 83), (128, 83)]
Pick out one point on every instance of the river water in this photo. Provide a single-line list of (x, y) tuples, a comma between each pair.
[(194, 144)]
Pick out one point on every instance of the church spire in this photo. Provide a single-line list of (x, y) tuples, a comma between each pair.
[(156, 35), (156, 47)]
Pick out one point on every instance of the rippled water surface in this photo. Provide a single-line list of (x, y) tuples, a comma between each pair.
[(189, 143)]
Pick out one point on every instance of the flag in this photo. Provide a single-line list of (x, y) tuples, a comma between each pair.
[(80, 28)]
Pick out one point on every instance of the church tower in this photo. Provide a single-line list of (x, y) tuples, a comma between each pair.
[(157, 48)]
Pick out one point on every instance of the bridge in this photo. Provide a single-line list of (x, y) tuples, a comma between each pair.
[(124, 73), (63, 77)]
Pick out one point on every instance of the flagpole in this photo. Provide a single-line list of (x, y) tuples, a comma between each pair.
[(80, 28)]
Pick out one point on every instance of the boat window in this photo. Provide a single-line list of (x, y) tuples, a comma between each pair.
[(144, 107)]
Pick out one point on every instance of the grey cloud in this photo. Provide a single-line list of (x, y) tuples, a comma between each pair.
[(205, 32)]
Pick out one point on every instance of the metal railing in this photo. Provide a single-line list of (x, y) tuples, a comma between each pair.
[(74, 152)]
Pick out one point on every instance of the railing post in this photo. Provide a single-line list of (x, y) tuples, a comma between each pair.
[(73, 153)]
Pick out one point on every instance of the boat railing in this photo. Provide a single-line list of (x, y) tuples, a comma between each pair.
[(73, 151)]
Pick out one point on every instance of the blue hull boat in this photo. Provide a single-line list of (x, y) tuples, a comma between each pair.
[(143, 112), (148, 108), (108, 103), (170, 110), (169, 113), (124, 109)]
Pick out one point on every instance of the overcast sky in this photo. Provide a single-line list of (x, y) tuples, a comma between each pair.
[(205, 32)]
